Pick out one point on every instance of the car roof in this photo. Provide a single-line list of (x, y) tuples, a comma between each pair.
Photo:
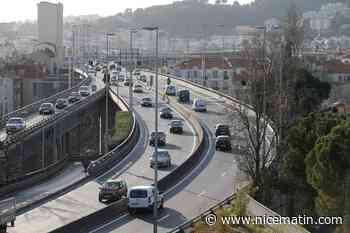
[(16, 118), (147, 187), (114, 180), (223, 136)]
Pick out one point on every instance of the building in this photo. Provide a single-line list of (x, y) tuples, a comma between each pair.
[(6, 95), (213, 72), (50, 30), (338, 72)]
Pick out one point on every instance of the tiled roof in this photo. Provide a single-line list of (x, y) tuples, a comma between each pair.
[(338, 67), (209, 64)]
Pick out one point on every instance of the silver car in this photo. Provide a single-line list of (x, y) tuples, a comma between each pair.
[(15, 124), (163, 159)]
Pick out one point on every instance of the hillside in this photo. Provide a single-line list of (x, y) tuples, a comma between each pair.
[(191, 18)]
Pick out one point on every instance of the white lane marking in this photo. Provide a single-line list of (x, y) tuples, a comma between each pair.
[(202, 193), (109, 223), (163, 218)]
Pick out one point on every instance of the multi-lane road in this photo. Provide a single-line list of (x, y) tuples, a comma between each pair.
[(213, 180), (134, 169)]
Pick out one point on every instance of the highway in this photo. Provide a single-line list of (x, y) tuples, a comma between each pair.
[(212, 181), (134, 169)]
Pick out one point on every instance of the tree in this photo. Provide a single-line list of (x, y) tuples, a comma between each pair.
[(253, 118), (301, 139), (328, 170)]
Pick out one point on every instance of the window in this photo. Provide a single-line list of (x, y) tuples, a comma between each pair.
[(195, 73), (226, 75), (188, 74), (215, 74)]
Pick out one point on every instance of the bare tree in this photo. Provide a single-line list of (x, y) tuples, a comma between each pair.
[(253, 121)]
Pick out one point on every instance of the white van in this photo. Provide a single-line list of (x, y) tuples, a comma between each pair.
[(142, 197), (199, 105)]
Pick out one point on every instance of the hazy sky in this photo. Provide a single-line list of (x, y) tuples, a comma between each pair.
[(20, 10)]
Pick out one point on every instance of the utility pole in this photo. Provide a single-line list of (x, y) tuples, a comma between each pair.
[(131, 67)]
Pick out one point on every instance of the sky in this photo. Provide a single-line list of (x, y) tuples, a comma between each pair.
[(21, 10)]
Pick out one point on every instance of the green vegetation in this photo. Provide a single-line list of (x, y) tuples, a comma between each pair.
[(123, 126)]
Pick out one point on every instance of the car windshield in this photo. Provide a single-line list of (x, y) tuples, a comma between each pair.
[(153, 134), (112, 184), (161, 155), (84, 88), (15, 120), (46, 105), (138, 193), (166, 110), (60, 100), (176, 123), (146, 99)]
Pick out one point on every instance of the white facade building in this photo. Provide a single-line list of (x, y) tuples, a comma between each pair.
[(50, 26)]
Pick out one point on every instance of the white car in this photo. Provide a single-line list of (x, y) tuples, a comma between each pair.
[(84, 91), (15, 124), (137, 88), (143, 197), (163, 159), (170, 90), (199, 105)]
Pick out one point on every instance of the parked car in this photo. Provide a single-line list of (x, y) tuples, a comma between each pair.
[(137, 88), (163, 159), (74, 97), (46, 108), (199, 105), (143, 197), (127, 82), (223, 143), (222, 130), (170, 90), (84, 91), (183, 96), (113, 189), (161, 139), (176, 126), (15, 124), (143, 78), (61, 103), (166, 113), (146, 102)]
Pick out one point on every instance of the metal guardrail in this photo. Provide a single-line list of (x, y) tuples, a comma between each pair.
[(105, 162), (201, 217), (33, 108)]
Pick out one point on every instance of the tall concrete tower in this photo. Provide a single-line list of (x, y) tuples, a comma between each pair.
[(50, 26)]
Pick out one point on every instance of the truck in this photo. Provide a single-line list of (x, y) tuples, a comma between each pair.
[(7, 213)]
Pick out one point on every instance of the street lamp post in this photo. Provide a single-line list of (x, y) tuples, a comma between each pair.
[(155, 210), (131, 67)]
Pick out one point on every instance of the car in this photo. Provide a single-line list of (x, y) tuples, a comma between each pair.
[(61, 103), (199, 105), (222, 130), (166, 113), (98, 68), (146, 102), (93, 88), (113, 190), (46, 108), (183, 96), (143, 78), (84, 91), (137, 72), (127, 82), (223, 143), (161, 139), (15, 124), (74, 97), (176, 126), (163, 159), (170, 90), (137, 88), (143, 197), (121, 78)]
